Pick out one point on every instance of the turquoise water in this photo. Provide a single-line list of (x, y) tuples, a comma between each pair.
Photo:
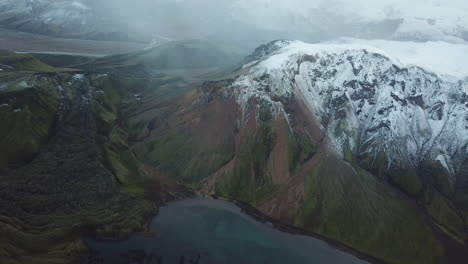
[(206, 231)]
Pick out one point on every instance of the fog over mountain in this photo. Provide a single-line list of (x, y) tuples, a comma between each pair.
[(259, 20), (251, 22)]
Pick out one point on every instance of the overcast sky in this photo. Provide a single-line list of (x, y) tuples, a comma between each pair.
[(203, 17)]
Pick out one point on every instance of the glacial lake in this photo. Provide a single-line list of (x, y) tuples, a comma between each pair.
[(207, 231)]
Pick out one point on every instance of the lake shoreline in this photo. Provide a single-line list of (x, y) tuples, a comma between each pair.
[(147, 245), (287, 228), (187, 194)]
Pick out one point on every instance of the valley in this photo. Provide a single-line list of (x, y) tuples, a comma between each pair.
[(36, 43)]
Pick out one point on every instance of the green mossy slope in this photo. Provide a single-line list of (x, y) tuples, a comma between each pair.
[(357, 209), (10, 61), (27, 116), (65, 165)]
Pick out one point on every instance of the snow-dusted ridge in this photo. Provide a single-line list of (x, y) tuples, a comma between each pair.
[(366, 100), (442, 58)]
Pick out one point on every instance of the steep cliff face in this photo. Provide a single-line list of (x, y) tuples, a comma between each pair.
[(338, 139)]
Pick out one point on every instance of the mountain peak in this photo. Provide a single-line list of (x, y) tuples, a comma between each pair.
[(365, 100)]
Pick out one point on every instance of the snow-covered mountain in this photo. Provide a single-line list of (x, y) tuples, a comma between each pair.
[(386, 107), (368, 101)]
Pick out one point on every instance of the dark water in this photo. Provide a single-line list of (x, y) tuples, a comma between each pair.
[(208, 231)]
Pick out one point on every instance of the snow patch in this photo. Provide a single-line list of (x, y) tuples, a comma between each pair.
[(78, 77), (249, 64), (158, 40), (79, 5), (23, 84)]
